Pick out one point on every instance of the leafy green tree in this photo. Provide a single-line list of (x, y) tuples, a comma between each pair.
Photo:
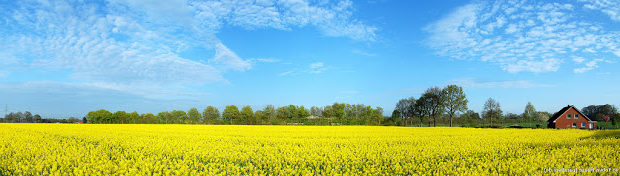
[(133, 117), (454, 100), (119, 117), (259, 116), (338, 112), (406, 107), (492, 110), (19, 117), (9, 117), (99, 116), (178, 116), (210, 114), (530, 113), (592, 111), (149, 118), (231, 113), (282, 113), (269, 113), (28, 117), (316, 111), (193, 116), (37, 118), (165, 117), (377, 116), (302, 113), (423, 107), (247, 115), (436, 98), (469, 117), (291, 113), (543, 116)]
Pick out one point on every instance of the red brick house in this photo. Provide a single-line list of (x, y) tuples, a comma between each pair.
[(570, 117)]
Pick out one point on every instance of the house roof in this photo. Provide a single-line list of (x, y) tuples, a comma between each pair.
[(563, 110)]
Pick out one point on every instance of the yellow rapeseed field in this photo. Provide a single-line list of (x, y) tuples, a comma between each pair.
[(87, 149)]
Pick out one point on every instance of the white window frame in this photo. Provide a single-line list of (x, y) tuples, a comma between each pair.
[(583, 124), (574, 125), (568, 116), (576, 116)]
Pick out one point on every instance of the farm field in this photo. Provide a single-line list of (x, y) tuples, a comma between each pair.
[(140, 149)]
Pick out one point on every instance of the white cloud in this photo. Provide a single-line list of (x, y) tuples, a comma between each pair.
[(588, 66), (533, 66), (332, 19), (286, 73), (363, 53), (228, 59), (316, 65), (520, 36), (131, 43), (578, 59), (313, 68), (316, 68), (609, 7), (510, 84), (265, 60)]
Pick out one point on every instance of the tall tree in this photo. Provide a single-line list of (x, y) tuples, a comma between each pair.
[(455, 100), (423, 108), (339, 112), (19, 117), (302, 113), (469, 116), (377, 115), (316, 111), (231, 113), (99, 116), (406, 107), (247, 115), (193, 116), (37, 118), (149, 118), (210, 114), (269, 113), (436, 99), (178, 116), (259, 116), (28, 117), (530, 113), (595, 112), (492, 110), (9, 117), (133, 117), (165, 117), (119, 117)]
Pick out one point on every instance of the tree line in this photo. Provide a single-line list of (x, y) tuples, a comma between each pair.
[(28, 117), (335, 114), (431, 105), (448, 105)]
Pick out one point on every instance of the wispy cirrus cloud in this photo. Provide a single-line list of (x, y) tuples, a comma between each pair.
[(312, 68), (130, 43), (590, 65), (505, 84), (316, 68), (609, 7), (524, 36)]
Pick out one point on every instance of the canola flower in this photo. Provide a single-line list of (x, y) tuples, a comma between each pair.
[(141, 149)]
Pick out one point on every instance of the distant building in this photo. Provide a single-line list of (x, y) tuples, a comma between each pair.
[(571, 117)]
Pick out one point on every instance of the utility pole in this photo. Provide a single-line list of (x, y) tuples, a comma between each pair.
[(5, 110)]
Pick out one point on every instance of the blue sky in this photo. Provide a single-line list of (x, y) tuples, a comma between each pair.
[(65, 58)]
